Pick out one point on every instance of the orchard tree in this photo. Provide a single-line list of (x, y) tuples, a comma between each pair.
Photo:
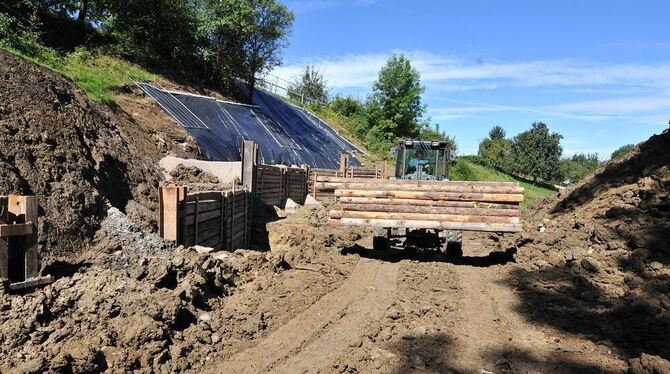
[(245, 37), (622, 151), (496, 149), (537, 153), (394, 107), (347, 106), (310, 86)]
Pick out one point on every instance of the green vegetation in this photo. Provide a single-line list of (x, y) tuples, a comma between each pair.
[(99, 76), (469, 168), (496, 148), (310, 87), (537, 153), (579, 166), (211, 41), (622, 151)]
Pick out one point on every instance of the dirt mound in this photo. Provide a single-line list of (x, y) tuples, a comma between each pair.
[(59, 145), (596, 259), (191, 174)]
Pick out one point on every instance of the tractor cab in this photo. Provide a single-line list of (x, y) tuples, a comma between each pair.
[(423, 160)]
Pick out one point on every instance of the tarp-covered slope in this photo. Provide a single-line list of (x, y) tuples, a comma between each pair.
[(286, 134)]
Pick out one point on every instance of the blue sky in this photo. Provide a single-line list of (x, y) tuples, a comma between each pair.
[(596, 71)]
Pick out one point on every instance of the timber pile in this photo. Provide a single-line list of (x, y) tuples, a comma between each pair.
[(469, 206)]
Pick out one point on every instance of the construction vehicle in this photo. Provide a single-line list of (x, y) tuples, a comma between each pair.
[(422, 205)]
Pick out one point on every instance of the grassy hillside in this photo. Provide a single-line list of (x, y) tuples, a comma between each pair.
[(100, 76), (468, 170)]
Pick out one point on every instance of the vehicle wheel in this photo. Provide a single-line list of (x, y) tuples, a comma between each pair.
[(453, 243), (380, 243), (380, 240)]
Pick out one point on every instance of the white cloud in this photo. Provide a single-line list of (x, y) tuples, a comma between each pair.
[(442, 73), (361, 70), (624, 105)]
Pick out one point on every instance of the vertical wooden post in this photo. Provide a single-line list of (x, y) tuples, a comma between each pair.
[(25, 210), (249, 162), (305, 189), (168, 211), (314, 185), (344, 164), (222, 222), (195, 221)]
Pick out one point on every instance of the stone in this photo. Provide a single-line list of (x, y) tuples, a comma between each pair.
[(590, 264), (291, 206), (312, 202)]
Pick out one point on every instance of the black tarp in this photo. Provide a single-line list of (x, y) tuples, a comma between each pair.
[(286, 134)]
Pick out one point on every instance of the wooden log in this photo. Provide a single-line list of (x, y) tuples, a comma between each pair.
[(430, 210), (444, 187), (408, 181), (424, 195), (421, 217), (437, 225), (415, 202)]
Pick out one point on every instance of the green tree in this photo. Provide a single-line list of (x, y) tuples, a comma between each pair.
[(537, 153), (579, 166), (347, 106), (622, 151), (310, 86), (158, 32), (496, 148), (245, 38), (429, 132), (394, 108), (497, 133)]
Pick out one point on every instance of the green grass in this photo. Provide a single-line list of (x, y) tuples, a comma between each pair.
[(467, 170), (100, 76)]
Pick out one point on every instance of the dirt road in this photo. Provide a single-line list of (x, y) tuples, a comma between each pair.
[(400, 312)]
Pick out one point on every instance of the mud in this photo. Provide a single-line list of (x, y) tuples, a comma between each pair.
[(65, 149)]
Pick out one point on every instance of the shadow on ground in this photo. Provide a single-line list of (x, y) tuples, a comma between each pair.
[(571, 301), (426, 255)]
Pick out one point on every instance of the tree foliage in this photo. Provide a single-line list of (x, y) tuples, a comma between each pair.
[(496, 148), (347, 106), (310, 86), (245, 37), (579, 166), (394, 107), (497, 133), (537, 153), (622, 151)]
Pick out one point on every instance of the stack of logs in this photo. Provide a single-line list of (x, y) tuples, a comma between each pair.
[(469, 206)]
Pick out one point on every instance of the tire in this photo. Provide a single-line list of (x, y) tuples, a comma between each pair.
[(453, 243), (380, 243)]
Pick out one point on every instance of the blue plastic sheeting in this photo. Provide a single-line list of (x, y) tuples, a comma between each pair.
[(286, 134)]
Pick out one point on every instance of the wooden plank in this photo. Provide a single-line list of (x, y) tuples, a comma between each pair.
[(443, 187), (204, 195), (437, 225), (430, 210), (421, 217), (424, 195), (17, 229), (168, 212), (414, 202), (190, 220), (206, 225), (203, 206), (249, 165)]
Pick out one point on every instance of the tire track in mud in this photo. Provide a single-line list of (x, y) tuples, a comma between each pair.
[(315, 338)]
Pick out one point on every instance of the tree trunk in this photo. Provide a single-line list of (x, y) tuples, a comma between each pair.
[(83, 10), (252, 83)]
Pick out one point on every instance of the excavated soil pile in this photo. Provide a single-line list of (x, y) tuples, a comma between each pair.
[(136, 303), (65, 149), (596, 259)]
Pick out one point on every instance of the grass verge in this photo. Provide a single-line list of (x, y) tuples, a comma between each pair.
[(467, 170)]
